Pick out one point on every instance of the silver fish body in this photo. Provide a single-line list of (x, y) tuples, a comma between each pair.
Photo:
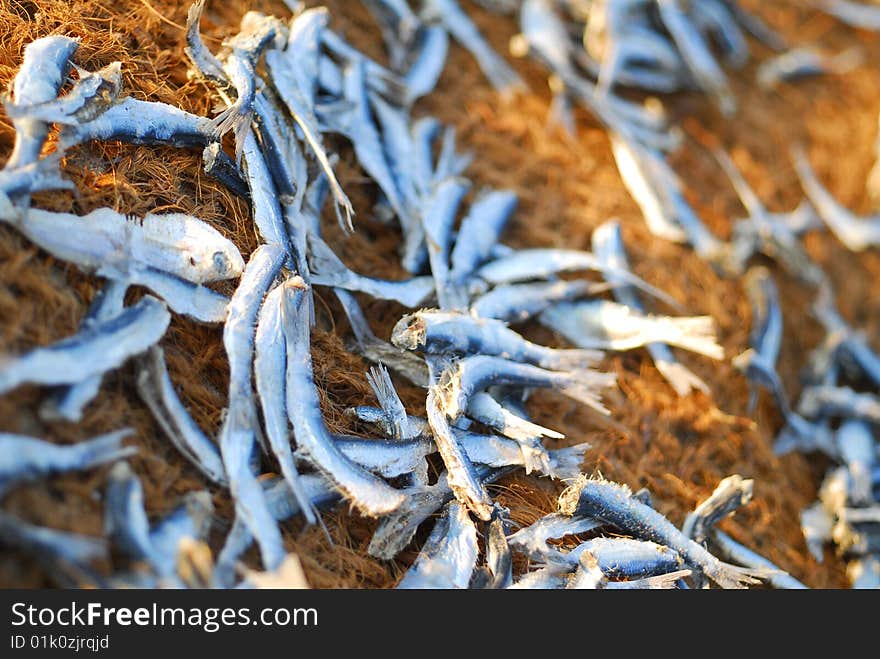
[(371, 495), (96, 349), (449, 556), (157, 391), (608, 247), (24, 459), (443, 332), (614, 504), (67, 402)]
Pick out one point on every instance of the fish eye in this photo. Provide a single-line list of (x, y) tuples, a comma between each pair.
[(221, 263), (192, 260)]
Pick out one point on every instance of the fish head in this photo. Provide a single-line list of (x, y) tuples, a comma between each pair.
[(226, 264), (409, 332)]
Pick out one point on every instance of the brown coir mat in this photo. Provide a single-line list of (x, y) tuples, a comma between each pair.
[(678, 448)]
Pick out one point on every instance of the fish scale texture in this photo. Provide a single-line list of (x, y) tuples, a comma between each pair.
[(678, 448)]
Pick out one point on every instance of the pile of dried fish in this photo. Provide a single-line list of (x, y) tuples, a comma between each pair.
[(290, 87), (591, 48)]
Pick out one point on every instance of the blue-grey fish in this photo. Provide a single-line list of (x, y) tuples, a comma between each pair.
[(238, 433), (449, 555), (105, 240), (438, 219), (657, 190), (532, 540), (95, 349), (184, 297), (270, 370), (42, 73), (91, 95), (818, 401), (462, 477), (816, 525), (397, 420), (67, 402), (469, 375), (495, 451), (542, 263), (696, 53), (862, 15), (385, 458), (842, 340), (68, 556), (858, 451), (498, 570), (546, 36), (460, 26), (731, 493), (857, 234), (759, 362), (143, 122), (24, 459), (125, 519), (551, 577), (764, 233), (733, 551), (265, 206), (658, 582), (799, 63), (614, 504), (516, 303), (189, 523), (605, 325), (431, 44), (42, 174), (608, 248), (398, 24), (157, 391), (328, 270), (369, 494), (203, 59), (443, 332), (283, 505), (625, 558), (299, 102), (479, 231), (483, 407), (864, 572)]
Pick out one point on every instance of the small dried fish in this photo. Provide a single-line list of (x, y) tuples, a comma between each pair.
[(369, 494), (96, 349), (609, 249), (67, 402), (449, 555), (25, 459), (157, 391), (604, 325), (614, 504), (443, 332)]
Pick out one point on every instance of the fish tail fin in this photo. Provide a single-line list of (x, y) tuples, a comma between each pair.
[(735, 577), (695, 334), (518, 428), (572, 360), (566, 462), (680, 377), (584, 385)]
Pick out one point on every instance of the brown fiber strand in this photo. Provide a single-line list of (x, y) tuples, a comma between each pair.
[(678, 448)]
